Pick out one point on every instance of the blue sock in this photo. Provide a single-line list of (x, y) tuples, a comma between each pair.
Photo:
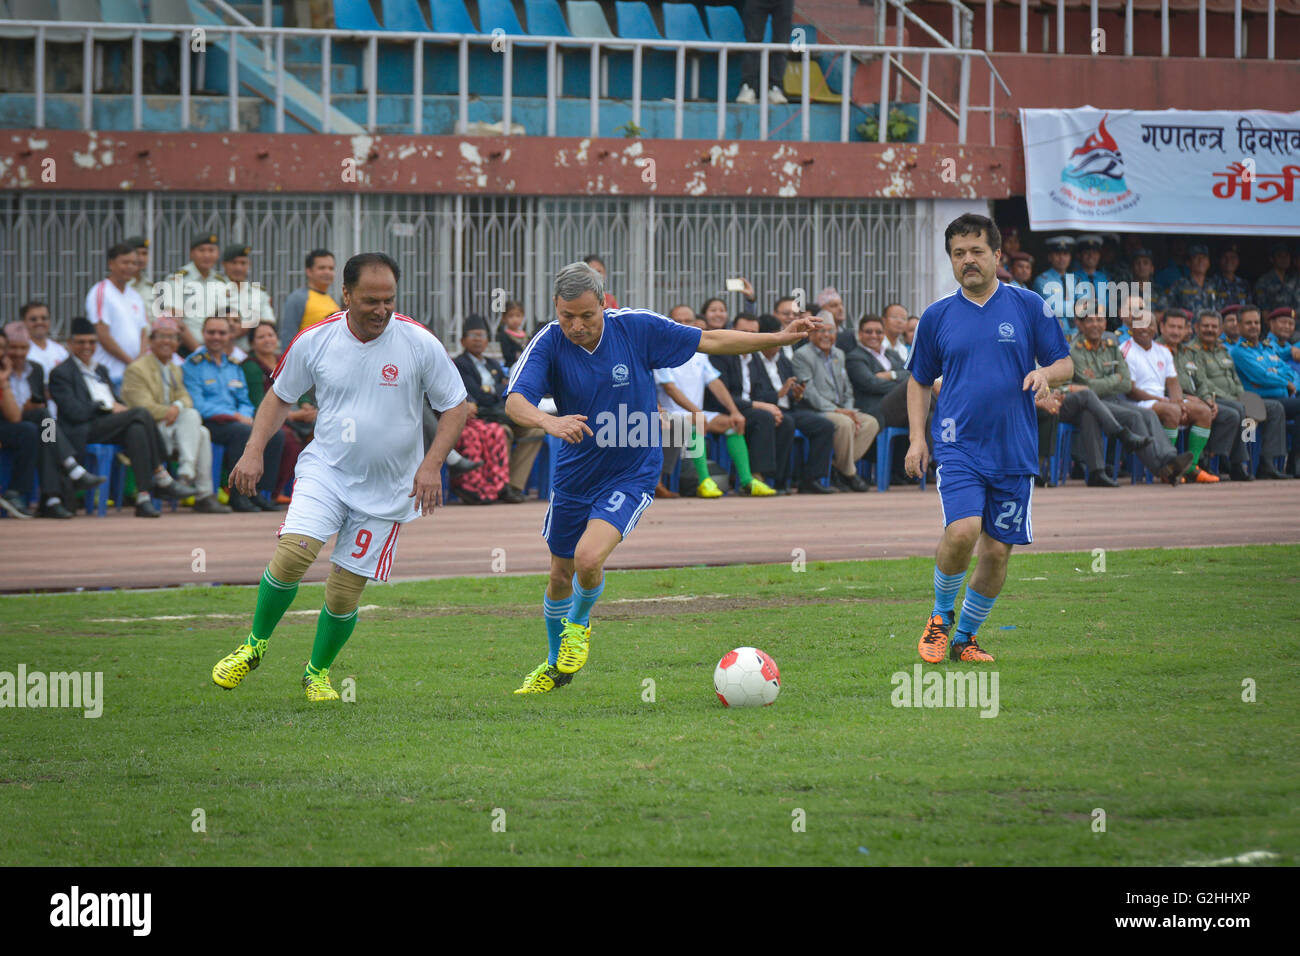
[(975, 608), (946, 587), (584, 601), (554, 612)]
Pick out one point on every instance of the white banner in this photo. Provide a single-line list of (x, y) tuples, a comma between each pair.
[(1190, 171)]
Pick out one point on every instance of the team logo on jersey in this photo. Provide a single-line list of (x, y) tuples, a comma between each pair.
[(620, 374), (1007, 332), (389, 372)]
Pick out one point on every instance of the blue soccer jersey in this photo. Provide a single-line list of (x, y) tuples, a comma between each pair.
[(985, 419), (614, 387)]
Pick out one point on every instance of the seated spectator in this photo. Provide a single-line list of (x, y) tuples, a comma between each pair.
[(1099, 365), (312, 303), (1217, 367), (675, 428), (300, 424), (219, 391), (56, 458), (714, 314), (1279, 286), (1210, 428), (118, 314), (819, 365), (681, 392), (1281, 337), (1155, 387), (234, 351), (1022, 268), (486, 384), (89, 411), (1264, 372), (909, 331), (895, 322), (597, 263), (20, 439), (769, 431), (872, 369), (1047, 407), (44, 349), (511, 334), (1229, 288), (786, 310), (772, 381), (153, 382)]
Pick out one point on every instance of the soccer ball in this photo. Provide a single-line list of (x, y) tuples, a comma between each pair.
[(746, 677)]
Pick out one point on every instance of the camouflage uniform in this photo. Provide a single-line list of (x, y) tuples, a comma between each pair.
[(1234, 291), (1186, 294), (1104, 370), (1219, 372), (1274, 293)]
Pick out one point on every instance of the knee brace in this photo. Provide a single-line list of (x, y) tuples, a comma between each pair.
[(293, 556), (343, 591)]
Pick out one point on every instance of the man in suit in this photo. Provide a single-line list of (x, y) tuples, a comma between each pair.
[(485, 384), (91, 412), (60, 474), (772, 382), (819, 365), (153, 382), (769, 431), (895, 343), (873, 371)]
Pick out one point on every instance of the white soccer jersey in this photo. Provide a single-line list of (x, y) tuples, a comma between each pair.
[(125, 316), (369, 439), (51, 355), (1149, 368), (690, 378)]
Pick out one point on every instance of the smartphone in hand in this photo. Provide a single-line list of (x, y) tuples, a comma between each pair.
[(735, 285)]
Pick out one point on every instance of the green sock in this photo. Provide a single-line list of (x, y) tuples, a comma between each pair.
[(740, 456), (696, 454), (273, 599), (1173, 436), (332, 632), (1196, 439)]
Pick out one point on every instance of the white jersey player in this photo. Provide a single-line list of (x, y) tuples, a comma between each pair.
[(363, 475)]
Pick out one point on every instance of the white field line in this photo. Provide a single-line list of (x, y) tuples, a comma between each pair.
[(194, 617), (1245, 859)]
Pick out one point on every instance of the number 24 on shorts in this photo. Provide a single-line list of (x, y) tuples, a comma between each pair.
[(1011, 511)]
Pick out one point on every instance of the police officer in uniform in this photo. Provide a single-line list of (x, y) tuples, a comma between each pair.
[(1194, 293), (1022, 268), (1090, 282), (142, 283), (1230, 288), (200, 288), (1051, 284), (247, 299), (1278, 287)]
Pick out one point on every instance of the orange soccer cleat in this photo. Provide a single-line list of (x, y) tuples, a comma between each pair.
[(934, 640)]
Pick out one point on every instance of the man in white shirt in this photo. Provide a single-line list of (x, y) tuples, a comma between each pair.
[(895, 319), (772, 380), (118, 314), (44, 350), (371, 368)]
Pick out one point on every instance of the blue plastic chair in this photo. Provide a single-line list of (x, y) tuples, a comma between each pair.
[(529, 75), (102, 460), (587, 19), (1058, 468), (450, 16), (884, 451), (400, 16), (357, 15), (545, 19), (682, 22), (218, 456), (658, 68)]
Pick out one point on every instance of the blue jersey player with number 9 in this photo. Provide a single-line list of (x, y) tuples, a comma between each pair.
[(997, 349), (598, 365)]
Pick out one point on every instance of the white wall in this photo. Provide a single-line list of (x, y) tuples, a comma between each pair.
[(933, 278)]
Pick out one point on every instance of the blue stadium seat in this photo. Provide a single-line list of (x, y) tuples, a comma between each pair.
[(884, 445), (530, 63), (658, 76), (587, 19), (450, 16), (355, 15), (102, 460), (400, 16), (682, 22), (11, 32), (725, 26), (545, 19), (130, 11)]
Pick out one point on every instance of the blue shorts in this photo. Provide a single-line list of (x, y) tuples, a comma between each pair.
[(567, 516), (1003, 501)]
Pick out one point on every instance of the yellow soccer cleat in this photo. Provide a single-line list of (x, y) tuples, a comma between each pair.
[(543, 679), (708, 488), (318, 686), (758, 489), (574, 639), (231, 670)]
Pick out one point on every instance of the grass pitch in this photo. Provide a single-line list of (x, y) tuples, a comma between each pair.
[(1120, 691)]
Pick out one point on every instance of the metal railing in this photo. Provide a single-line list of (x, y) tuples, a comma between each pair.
[(276, 38), (1094, 17)]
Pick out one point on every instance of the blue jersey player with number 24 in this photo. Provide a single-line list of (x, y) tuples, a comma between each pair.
[(997, 348), (598, 365)]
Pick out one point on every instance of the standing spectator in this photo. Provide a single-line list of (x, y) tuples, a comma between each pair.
[(598, 264), (772, 380), (312, 303), (219, 391), (90, 411), (1090, 282), (44, 349), (117, 312), (1010, 242), (56, 458), (1219, 370), (714, 314), (142, 283), (1022, 269), (486, 384), (21, 439), (769, 431), (511, 334), (1276, 287), (909, 332), (154, 383), (895, 322), (1177, 265), (1229, 288), (754, 14), (820, 367), (1195, 293), (1264, 372), (873, 370), (259, 372), (247, 300), (1050, 283), (201, 288)]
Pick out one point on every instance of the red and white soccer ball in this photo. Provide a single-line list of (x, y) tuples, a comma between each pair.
[(746, 677)]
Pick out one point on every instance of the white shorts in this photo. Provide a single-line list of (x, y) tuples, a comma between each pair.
[(365, 544)]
